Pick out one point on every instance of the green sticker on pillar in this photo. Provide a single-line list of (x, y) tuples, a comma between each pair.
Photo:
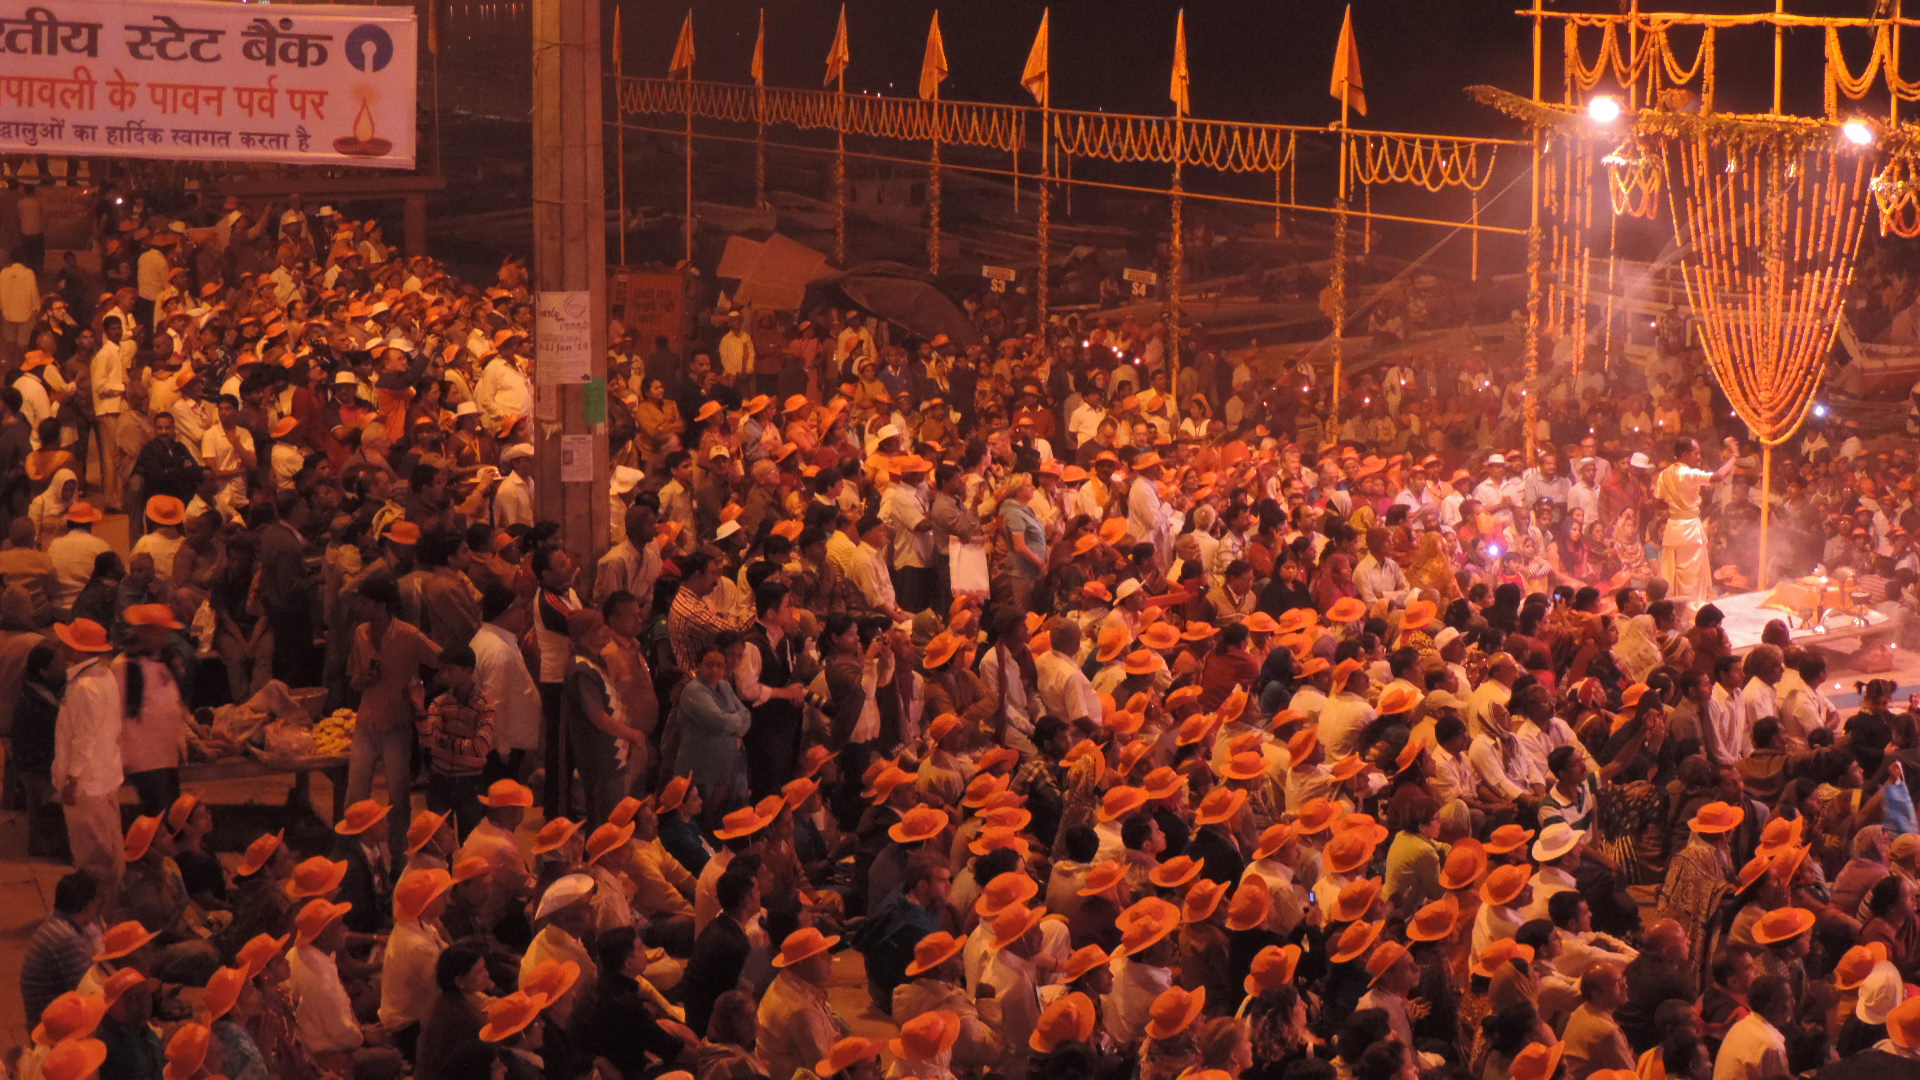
[(596, 401)]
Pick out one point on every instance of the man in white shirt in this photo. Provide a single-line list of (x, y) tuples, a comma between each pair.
[(1085, 422), (868, 569), (1065, 691), (86, 750), (1683, 546), (109, 369), (500, 671), (503, 389), (407, 988), (151, 273), (36, 400), (1758, 697), (1146, 515), (1754, 1048), (1345, 717), (737, 357), (854, 345), (903, 507), (228, 453), (513, 499), (73, 553), (19, 304), (323, 1016), (1376, 576), (1499, 494), (1584, 495), (1803, 705), (1728, 730)]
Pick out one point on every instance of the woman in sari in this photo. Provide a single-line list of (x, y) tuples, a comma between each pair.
[(1628, 548), (48, 510), (1698, 878), (1432, 571), (657, 418), (1334, 582)]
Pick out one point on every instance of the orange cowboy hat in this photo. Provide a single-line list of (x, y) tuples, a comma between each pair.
[(745, 821), (1436, 921), (1272, 839), (1234, 705), (1781, 833), (552, 978), (187, 1050), (72, 1015), (554, 835), (1220, 805), (1313, 666), (1903, 1023), (1499, 953), (1260, 623), (887, 778), (1508, 838), (223, 991), (424, 827), (1252, 903), (120, 982), (1357, 938), (1197, 631), (1505, 884), (1717, 817), (166, 510), (417, 890), (1347, 852), (1782, 924), (1418, 616), (1409, 754), (607, 839), (139, 838), (1383, 957), (1160, 637), (1857, 963), (122, 940), (1246, 765), (1015, 923), (940, 649), (313, 919), (1202, 900), (1273, 966), (261, 950), (675, 793), (1316, 816), (1082, 960), (360, 817), (1147, 931), (803, 944), (1176, 872), (1196, 729), (510, 1015), (934, 950), (83, 635), (1348, 767), (926, 1037), (1009, 890), (1294, 620), (74, 1059), (920, 824), (1163, 783), (1347, 609), (1069, 1018), (1355, 899), (1102, 876), (84, 513), (315, 877), (1538, 1061), (1120, 801), (847, 1054), (1397, 698), (504, 793), (1174, 1011)]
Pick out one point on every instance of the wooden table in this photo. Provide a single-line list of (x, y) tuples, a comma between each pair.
[(245, 768)]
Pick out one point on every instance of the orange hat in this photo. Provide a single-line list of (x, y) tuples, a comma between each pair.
[(1398, 698), (1175, 872), (1782, 924), (926, 1037), (1174, 1011), (554, 835), (1015, 923), (1069, 1018), (1273, 966), (1316, 815), (1781, 832), (933, 950), (1365, 825), (1159, 637), (1251, 905), (1248, 765), (314, 919), (84, 513), (1196, 729), (1347, 852), (920, 824), (470, 868), (1717, 817), (1314, 665), (1383, 957), (318, 876), (83, 635), (1276, 836), (1163, 783), (1538, 1061), (187, 1050), (140, 836), (1499, 953), (802, 944), (675, 793), (1260, 623), (1418, 616), (1505, 884), (72, 1015), (1147, 929), (509, 1016), (1854, 966), (1082, 960), (1435, 921), (1356, 939), (845, 1054), (743, 822), (1004, 891), (1348, 767), (1102, 876), (120, 982), (1202, 900), (166, 510), (223, 991), (1508, 838), (1409, 754), (1121, 801), (74, 1059), (885, 782), (424, 827), (1355, 899), (1347, 609), (361, 816), (261, 950), (417, 890), (123, 939), (811, 761), (606, 839), (507, 793), (1220, 805), (552, 978), (1903, 1023)]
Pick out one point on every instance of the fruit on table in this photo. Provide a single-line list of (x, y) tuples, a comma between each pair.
[(333, 735)]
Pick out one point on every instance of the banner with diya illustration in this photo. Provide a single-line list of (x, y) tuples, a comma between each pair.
[(193, 80)]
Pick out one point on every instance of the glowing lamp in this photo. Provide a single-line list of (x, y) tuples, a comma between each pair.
[(1604, 109), (1857, 132)]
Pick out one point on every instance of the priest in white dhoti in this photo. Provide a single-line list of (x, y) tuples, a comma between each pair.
[(1683, 546)]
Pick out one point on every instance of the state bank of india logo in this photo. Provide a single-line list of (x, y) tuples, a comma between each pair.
[(369, 48)]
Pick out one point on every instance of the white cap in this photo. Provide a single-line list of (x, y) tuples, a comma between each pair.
[(1881, 992), (345, 378), (888, 432), (726, 529), (1447, 636), (1127, 588), (564, 893), (465, 408), (1496, 459), (516, 451), (626, 478), (1556, 840), (1640, 461)]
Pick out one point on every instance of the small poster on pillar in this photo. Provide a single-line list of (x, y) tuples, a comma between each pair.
[(191, 80)]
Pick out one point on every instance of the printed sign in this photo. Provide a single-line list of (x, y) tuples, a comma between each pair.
[(192, 80), (563, 337)]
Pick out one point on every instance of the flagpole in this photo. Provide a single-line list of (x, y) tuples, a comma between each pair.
[(760, 118), (933, 174), (1042, 294), (687, 107), (1177, 248), (840, 168), (1338, 285)]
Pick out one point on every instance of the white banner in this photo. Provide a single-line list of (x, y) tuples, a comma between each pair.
[(192, 80)]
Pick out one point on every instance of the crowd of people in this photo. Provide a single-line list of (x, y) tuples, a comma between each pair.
[(1063, 709)]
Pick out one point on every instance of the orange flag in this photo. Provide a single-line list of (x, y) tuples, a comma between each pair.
[(683, 50), (760, 52), (1178, 91), (616, 42), (837, 56), (1035, 76), (933, 69), (1347, 84)]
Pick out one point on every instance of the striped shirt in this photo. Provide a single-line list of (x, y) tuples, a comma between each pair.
[(58, 955), (457, 733)]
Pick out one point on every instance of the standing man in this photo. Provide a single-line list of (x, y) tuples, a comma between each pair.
[(903, 507), (19, 303), (286, 591), (86, 751), (500, 671), (774, 686), (1683, 546), (109, 369), (1146, 515)]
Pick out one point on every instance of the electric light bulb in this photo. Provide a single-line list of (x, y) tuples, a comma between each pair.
[(1604, 109)]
